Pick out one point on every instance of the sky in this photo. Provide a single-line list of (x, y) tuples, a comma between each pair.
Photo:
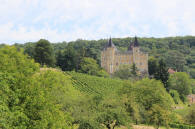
[(68, 20)]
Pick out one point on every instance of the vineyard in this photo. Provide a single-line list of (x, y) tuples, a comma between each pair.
[(93, 84)]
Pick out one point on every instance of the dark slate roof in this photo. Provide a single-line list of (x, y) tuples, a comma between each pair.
[(109, 44), (136, 44), (133, 44)]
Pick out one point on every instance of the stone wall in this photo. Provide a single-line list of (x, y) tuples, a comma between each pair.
[(111, 59)]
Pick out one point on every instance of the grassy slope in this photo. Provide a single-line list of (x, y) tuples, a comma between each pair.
[(99, 86), (95, 85)]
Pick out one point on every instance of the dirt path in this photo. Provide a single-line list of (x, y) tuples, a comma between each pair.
[(144, 127)]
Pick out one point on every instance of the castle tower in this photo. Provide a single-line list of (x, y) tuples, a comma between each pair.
[(108, 56), (139, 58), (136, 52), (112, 59)]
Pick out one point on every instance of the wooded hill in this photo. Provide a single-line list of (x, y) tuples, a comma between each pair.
[(178, 52)]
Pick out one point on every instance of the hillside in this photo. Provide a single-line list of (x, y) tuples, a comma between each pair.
[(42, 97), (178, 52), (95, 85)]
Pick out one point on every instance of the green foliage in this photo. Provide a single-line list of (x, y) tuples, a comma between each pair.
[(181, 126), (152, 66), (152, 92), (95, 85), (48, 98), (68, 60), (85, 125), (53, 93), (134, 70), (180, 82), (162, 73), (175, 60), (30, 99), (178, 52), (191, 115), (90, 66), (102, 112), (192, 72), (175, 95), (193, 85), (112, 114), (141, 96), (16, 70), (43, 53), (124, 72), (14, 62), (158, 116), (29, 49), (127, 72)]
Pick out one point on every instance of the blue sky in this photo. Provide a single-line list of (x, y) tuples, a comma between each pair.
[(67, 20)]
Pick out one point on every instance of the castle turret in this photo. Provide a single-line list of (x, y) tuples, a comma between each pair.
[(136, 52), (136, 44), (107, 56), (140, 58), (133, 44), (109, 44)]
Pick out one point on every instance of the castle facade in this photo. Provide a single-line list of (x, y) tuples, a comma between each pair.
[(112, 59)]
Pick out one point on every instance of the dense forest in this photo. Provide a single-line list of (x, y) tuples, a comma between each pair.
[(178, 52), (62, 86)]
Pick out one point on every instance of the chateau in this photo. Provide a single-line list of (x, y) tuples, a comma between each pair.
[(112, 59)]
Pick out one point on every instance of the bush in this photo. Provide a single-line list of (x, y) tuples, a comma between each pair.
[(181, 126), (175, 96)]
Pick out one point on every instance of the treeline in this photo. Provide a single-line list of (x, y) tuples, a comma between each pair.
[(178, 52)]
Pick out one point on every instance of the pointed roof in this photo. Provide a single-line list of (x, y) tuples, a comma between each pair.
[(109, 44), (133, 44), (136, 44)]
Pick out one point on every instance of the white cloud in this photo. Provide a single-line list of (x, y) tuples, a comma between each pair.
[(59, 20)]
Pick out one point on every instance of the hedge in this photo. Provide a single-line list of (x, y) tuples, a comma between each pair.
[(181, 126)]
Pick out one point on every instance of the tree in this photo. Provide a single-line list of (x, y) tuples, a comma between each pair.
[(162, 73), (44, 53), (191, 115), (124, 72), (193, 85), (68, 59), (52, 99), (152, 66), (140, 97), (29, 49), (158, 116), (112, 114), (127, 72), (30, 98), (89, 66), (175, 60), (134, 70), (175, 95), (180, 82)]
